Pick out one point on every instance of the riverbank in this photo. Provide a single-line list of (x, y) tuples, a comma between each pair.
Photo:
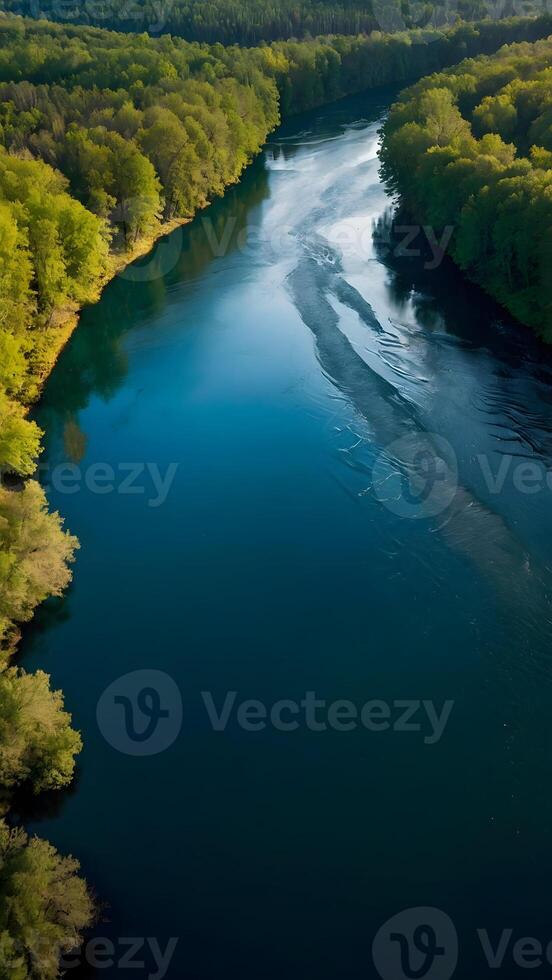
[(476, 165), (280, 81), (372, 61), (152, 536), (66, 321), (273, 568)]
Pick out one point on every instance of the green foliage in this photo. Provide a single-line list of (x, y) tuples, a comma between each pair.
[(105, 136), (19, 438), (314, 72), (17, 301), (35, 554), (252, 22), (472, 148), (108, 135), (44, 907), (245, 22), (142, 129), (37, 744)]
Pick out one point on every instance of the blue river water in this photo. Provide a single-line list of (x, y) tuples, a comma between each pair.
[(298, 460)]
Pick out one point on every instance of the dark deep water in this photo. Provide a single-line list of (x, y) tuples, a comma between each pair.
[(293, 380)]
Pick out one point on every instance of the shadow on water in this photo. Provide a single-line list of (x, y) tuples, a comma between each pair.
[(445, 306), (51, 614), (27, 807), (448, 302), (94, 361)]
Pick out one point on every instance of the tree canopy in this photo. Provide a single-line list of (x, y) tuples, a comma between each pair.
[(106, 139), (251, 22), (44, 906), (471, 148)]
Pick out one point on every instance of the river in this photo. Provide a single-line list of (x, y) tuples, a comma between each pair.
[(241, 414)]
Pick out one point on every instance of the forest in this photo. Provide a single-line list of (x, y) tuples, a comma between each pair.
[(106, 141), (471, 149), (105, 138), (250, 22)]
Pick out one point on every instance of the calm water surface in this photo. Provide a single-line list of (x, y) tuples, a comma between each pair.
[(289, 376)]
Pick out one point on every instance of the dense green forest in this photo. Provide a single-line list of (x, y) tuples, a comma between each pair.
[(471, 148), (245, 22), (103, 137), (250, 22), (44, 906), (105, 141)]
